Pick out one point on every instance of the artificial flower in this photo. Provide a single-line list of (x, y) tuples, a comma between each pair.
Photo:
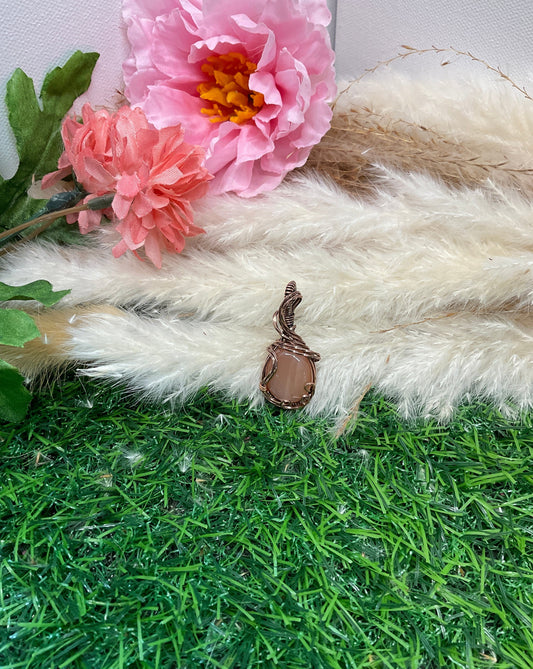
[(153, 175), (251, 81)]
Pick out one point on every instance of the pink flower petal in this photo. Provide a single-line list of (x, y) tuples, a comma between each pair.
[(288, 42), (218, 44), (252, 144), (222, 148), (121, 206), (50, 179), (317, 10), (153, 176), (235, 177), (119, 249), (265, 83), (171, 46), (128, 185), (147, 201), (88, 220), (93, 172), (152, 249), (133, 9), (166, 106)]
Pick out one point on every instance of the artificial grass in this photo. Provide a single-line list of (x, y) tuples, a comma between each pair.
[(217, 536)]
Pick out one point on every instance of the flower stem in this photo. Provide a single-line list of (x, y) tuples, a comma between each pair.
[(52, 216), (9, 247), (95, 204)]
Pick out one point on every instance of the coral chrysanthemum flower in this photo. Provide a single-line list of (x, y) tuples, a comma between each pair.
[(250, 80), (153, 174)]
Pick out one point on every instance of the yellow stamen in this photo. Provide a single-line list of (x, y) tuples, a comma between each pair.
[(227, 89)]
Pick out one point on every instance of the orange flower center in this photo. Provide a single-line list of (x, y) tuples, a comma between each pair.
[(227, 90)]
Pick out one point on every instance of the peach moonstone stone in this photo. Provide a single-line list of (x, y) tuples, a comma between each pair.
[(293, 379)]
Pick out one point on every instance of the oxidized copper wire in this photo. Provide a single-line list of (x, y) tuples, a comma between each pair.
[(289, 341)]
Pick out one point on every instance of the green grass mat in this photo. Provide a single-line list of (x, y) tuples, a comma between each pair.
[(217, 536)]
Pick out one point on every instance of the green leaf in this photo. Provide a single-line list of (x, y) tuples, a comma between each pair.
[(36, 290), (62, 85), (16, 327), (14, 398), (38, 130)]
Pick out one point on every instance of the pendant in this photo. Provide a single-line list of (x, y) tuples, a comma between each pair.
[(289, 374)]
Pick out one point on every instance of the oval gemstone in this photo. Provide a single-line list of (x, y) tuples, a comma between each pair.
[(294, 380)]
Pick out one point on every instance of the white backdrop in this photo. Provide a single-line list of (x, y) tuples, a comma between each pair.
[(498, 31), (39, 34)]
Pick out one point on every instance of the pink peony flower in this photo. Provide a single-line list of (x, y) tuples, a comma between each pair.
[(250, 80), (154, 175)]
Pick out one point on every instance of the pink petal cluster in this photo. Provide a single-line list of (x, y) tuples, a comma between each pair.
[(288, 42), (153, 174)]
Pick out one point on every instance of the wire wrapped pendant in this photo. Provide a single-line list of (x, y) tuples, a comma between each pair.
[(289, 373)]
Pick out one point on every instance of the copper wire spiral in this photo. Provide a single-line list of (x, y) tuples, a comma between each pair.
[(283, 321)]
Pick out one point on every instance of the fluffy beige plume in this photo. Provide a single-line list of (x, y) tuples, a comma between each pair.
[(379, 279), (421, 288), (464, 132), (51, 352)]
